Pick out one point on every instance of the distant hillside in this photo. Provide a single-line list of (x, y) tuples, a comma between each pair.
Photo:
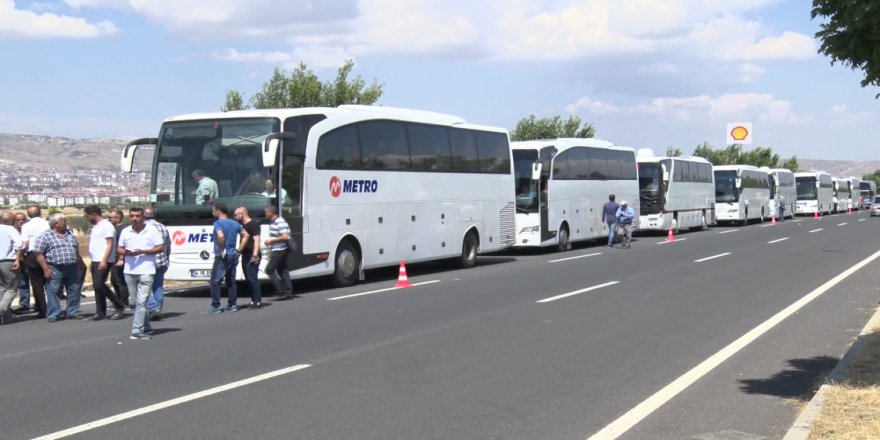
[(69, 153)]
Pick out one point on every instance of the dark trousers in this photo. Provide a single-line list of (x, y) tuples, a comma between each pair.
[(251, 272), (38, 282), (278, 273), (117, 279), (102, 291), (224, 269)]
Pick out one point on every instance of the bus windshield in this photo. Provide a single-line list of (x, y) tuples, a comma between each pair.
[(725, 187), (649, 177), (526, 188), (806, 188), (202, 162)]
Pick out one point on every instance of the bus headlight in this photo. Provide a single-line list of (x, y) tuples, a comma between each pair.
[(530, 230)]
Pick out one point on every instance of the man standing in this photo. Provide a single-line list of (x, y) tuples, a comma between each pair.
[(139, 244), (101, 239), (207, 191), (10, 260), (780, 206), (250, 256), (609, 218), (157, 298), (225, 259), (24, 288), (117, 272), (279, 235), (35, 226), (625, 216), (57, 251)]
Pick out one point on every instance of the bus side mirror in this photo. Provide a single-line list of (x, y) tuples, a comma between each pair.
[(126, 162), (536, 171), (739, 182), (271, 146)]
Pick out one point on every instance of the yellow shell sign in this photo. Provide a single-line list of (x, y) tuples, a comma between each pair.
[(739, 133)]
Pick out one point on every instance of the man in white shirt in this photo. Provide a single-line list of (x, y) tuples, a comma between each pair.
[(139, 245), (35, 226), (10, 259), (207, 191), (100, 246)]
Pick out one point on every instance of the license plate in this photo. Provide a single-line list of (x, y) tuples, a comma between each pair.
[(200, 273)]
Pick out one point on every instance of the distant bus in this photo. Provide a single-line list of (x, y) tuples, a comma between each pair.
[(815, 192), (840, 200), (561, 185), (782, 187), (675, 192), (855, 191), (361, 187), (868, 191), (742, 193)]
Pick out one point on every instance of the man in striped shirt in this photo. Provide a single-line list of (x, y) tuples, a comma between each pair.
[(279, 236)]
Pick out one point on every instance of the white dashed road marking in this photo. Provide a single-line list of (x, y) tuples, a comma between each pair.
[(380, 290), (577, 292), (777, 241), (575, 258), (712, 257)]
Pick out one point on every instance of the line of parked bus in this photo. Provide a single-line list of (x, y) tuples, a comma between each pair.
[(364, 187)]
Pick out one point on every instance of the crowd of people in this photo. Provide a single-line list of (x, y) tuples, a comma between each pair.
[(41, 264)]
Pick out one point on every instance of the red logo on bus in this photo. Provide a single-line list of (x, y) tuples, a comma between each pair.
[(335, 186), (178, 238)]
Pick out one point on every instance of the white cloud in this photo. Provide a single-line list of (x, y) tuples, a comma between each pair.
[(750, 72), (840, 116), (314, 57), (595, 107), (24, 24)]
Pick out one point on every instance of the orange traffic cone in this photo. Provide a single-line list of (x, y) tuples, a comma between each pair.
[(670, 237), (816, 215), (772, 219), (402, 282)]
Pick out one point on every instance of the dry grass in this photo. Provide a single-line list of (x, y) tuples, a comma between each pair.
[(851, 410)]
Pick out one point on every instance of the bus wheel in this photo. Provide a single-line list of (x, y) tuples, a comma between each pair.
[(347, 264), (703, 225), (564, 243), (745, 220), (468, 251), (762, 215)]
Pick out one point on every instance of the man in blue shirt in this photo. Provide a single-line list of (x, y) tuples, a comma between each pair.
[(225, 259), (625, 216), (609, 218)]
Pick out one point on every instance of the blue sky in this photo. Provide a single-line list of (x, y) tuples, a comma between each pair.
[(646, 73)]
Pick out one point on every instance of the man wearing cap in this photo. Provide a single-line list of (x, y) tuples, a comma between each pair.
[(625, 216)]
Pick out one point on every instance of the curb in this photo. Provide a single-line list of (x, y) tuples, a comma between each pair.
[(800, 430)]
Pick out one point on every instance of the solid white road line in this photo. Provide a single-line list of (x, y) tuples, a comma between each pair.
[(841, 224), (728, 231), (777, 241), (861, 220), (673, 241), (169, 403), (651, 404), (816, 230), (577, 292), (575, 258), (712, 257), (381, 290)]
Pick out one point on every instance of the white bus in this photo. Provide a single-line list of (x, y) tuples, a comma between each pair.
[(814, 192), (361, 187), (855, 192), (742, 193), (562, 185), (675, 192), (868, 191), (782, 188), (841, 200)]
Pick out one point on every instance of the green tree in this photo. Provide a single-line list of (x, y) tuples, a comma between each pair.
[(303, 89), (875, 176), (672, 151), (759, 157), (551, 128), (734, 154), (726, 156), (849, 35), (791, 164), (234, 101)]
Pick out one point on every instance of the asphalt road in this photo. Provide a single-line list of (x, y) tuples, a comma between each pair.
[(708, 337)]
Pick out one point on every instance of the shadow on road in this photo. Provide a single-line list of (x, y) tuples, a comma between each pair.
[(800, 381)]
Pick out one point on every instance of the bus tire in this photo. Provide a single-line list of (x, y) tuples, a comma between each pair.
[(762, 215), (346, 265), (703, 224), (564, 239), (469, 246), (675, 225)]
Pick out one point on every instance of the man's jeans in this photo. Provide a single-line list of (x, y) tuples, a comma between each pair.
[(142, 285), (24, 288), (612, 233), (64, 276), (224, 268), (251, 274), (278, 273), (9, 282), (157, 295), (102, 291)]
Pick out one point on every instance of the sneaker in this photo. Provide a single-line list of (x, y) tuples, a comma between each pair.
[(154, 315), (255, 305), (52, 318), (116, 316), (231, 308), (140, 336), (211, 310), (96, 317)]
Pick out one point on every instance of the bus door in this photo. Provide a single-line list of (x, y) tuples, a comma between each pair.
[(545, 156)]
